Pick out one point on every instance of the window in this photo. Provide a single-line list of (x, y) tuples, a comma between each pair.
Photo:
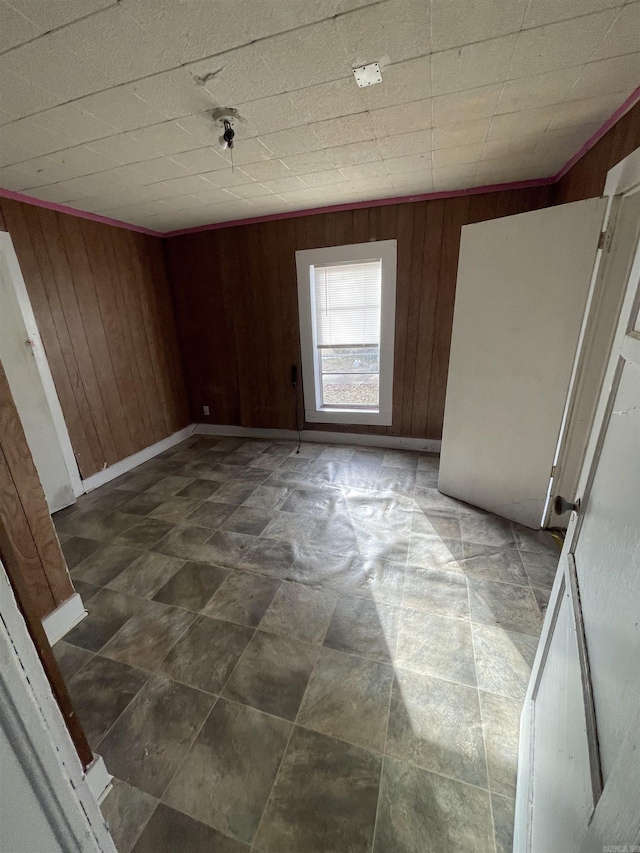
[(346, 297)]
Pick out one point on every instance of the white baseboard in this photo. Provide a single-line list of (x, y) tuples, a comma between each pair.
[(113, 471), (65, 617), (98, 778), (396, 442)]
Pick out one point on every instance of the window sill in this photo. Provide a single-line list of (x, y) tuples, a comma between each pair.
[(348, 416)]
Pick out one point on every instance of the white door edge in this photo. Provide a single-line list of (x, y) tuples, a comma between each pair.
[(33, 724), (16, 280), (623, 179)]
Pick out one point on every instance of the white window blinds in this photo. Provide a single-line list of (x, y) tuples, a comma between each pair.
[(347, 303)]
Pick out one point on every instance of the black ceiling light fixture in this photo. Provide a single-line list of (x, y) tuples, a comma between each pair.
[(226, 118)]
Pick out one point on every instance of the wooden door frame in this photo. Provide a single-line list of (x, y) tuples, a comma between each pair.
[(623, 180)]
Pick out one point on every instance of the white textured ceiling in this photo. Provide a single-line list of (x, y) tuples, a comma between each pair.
[(102, 108)]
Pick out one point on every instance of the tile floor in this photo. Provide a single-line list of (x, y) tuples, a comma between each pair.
[(301, 653)]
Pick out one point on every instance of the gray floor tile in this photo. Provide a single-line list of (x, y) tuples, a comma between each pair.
[(84, 590), (192, 586), (184, 541), (322, 568), (432, 552), (534, 541), (433, 502), (253, 477), (396, 480), (363, 627), (211, 515), (420, 811), (142, 504), (247, 519), (501, 720), (272, 674), (503, 809), (324, 798), (100, 692), (436, 645), (175, 509), (269, 498), (442, 525), (146, 575), (228, 773), (492, 563), (436, 725), (234, 492), (224, 549), (243, 598), (542, 599), (401, 459), (293, 527), (108, 500), (170, 831), (76, 549), (505, 606), (541, 569), (314, 502), (170, 485), (437, 591), (127, 811), (145, 533), (300, 612), (146, 639), (206, 654), (348, 698), (503, 660), (108, 611), (486, 529), (268, 557), (70, 658), (106, 564), (146, 745), (346, 523), (199, 489)]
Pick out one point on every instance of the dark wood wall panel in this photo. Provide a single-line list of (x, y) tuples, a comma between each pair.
[(103, 306), (235, 294), (586, 179), (25, 521)]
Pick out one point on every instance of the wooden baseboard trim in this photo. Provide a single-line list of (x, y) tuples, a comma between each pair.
[(98, 778), (65, 617), (427, 445), (113, 471)]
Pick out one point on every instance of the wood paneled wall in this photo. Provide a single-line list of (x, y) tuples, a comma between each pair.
[(586, 179), (103, 306), (235, 294), (27, 530)]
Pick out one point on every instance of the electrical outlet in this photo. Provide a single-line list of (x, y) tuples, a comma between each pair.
[(205, 409)]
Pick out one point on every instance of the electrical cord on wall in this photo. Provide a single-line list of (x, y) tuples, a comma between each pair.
[(294, 385)]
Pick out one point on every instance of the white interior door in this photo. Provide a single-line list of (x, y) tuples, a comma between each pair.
[(579, 775), (27, 369), (522, 288)]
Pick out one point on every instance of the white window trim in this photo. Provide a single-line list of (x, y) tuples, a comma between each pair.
[(307, 258)]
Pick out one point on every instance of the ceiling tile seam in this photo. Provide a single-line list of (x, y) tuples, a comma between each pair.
[(611, 26), (504, 82), (533, 182), (128, 83), (53, 29), (88, 143)]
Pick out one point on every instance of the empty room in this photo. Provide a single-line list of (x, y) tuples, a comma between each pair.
[(319, 426)]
